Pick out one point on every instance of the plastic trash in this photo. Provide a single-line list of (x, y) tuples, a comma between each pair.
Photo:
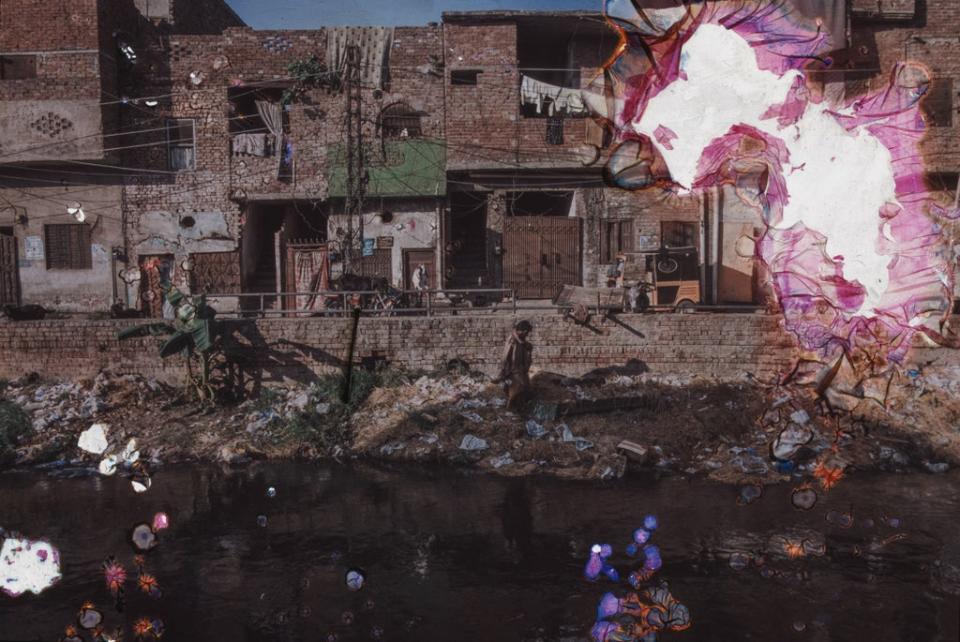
[(391, 448), (271, 492), (790, 440), (749, 464), (108, 466), (160, 522), (503, 460), (582, 444), (94, 439), (472, 442), (535, 430), (545, 411), (130, 453)]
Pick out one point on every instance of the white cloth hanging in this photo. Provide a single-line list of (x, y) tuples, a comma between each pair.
[(374, 44), (555, 99)]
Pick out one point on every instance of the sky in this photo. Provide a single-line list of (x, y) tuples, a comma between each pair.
[(311, 14)]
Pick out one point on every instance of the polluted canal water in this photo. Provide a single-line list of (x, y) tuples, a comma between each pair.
[(360, 553)]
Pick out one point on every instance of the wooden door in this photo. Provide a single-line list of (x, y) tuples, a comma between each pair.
[(412, 259), (541, 255), (9, 273)]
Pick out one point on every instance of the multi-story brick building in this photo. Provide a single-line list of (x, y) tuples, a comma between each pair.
[(204, 151)]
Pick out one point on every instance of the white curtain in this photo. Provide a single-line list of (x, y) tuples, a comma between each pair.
[(272, 116)]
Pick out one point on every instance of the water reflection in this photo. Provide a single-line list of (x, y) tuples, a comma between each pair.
[(450, 556)]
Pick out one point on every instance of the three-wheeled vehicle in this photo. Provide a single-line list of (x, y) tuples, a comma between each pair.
[(672, 278)]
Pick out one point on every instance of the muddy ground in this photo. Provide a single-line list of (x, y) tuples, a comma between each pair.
[(571, 427)]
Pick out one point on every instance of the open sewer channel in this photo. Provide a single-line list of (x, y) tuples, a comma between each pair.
[(263, 553)]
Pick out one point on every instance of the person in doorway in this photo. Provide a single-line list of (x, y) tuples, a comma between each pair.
[(421, 282), (515, 368)]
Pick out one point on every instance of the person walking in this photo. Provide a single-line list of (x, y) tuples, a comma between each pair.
[(515, 367)]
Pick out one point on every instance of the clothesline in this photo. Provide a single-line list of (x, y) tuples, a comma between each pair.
[(554, 98)]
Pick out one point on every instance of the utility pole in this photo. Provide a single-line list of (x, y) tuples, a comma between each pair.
[(355, 162)]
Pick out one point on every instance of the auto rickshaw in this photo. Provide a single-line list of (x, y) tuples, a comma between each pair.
[(672, 278)]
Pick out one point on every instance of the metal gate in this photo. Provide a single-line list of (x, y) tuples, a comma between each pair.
[(9, 274), (541, 255)]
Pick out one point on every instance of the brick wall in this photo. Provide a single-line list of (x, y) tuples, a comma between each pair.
[(482, 118), (713, 345)]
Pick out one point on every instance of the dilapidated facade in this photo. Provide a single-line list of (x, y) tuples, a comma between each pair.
[(150, 139)]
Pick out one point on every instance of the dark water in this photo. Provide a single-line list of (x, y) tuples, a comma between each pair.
[(455, 557)]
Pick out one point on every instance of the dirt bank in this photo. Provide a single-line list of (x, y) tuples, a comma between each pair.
[(572, 428)]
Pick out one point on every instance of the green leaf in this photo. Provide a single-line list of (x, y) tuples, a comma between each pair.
[(178, 343), (148, 329), (200, 332)]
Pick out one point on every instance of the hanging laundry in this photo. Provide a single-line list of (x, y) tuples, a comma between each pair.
[(252, 144), (551, 98), (374, 44)]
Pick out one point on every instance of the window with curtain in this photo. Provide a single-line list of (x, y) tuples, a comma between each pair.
[(181, 144)]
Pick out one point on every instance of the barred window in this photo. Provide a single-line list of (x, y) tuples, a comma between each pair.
[(68, 246), (399, 120)]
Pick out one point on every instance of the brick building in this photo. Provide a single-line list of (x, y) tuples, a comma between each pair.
[(196, 152)]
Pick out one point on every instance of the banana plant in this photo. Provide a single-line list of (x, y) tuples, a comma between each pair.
[(192, 333)]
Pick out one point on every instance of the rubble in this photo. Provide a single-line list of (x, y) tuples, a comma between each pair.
[(723, 430)]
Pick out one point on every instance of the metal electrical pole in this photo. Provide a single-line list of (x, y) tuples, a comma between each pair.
[(355, 161)]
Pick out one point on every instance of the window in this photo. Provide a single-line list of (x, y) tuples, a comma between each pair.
[(678, 234), (938, 103), (180, 144), (68, 246), (18, 67), (464, 76), (400, 121), (243, 114), (615, 237)]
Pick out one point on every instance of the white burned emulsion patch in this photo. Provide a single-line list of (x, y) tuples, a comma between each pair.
[(28, 566), (837, 181)]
